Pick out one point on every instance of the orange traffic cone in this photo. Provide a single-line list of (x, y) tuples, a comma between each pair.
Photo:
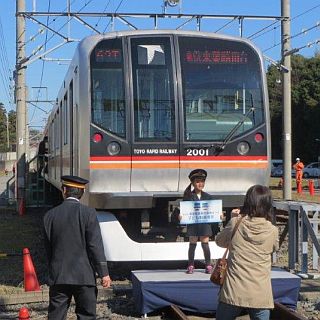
[(24, 314), (30, 277), (311, 187), (299, 187)]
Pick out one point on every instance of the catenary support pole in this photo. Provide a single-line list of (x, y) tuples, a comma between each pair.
[(286, 97), (20, 107)]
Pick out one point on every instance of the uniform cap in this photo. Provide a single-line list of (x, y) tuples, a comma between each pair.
[(198, 173), (297, 159), (74, 181)]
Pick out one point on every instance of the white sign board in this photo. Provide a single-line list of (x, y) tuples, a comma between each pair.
[(202, 211)]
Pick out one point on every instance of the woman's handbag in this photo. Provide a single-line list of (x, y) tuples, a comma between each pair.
[(220, 269)]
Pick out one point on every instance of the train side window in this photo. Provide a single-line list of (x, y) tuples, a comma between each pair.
[(107, 89), (153, 94)]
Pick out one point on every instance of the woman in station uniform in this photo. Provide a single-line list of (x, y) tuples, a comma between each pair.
[(198, 231)]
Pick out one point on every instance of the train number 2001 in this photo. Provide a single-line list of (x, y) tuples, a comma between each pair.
[(197, 152)]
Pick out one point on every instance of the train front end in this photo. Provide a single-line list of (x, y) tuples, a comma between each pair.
[(162, 104)]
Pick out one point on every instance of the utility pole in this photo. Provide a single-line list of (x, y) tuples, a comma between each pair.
[(21, 107), (286, 97)]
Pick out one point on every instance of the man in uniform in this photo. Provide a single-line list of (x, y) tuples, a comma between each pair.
[(75, 252), (43, 155)]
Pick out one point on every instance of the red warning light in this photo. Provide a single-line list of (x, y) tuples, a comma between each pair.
[(97, 137), (258, 137)]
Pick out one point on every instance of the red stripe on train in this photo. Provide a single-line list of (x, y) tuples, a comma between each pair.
[(176, 158)]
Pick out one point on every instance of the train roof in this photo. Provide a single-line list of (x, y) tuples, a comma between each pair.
[(141, 32)]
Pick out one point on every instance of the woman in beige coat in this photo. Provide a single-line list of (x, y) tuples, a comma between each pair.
[(248, 283)]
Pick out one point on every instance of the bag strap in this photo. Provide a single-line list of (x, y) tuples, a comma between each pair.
[(233, 233), (236, 227)]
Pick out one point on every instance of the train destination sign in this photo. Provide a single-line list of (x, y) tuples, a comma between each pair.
[(108, 55), (216, 57), (203, 211)]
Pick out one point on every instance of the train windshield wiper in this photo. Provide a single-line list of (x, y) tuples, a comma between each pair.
[(221, 147)]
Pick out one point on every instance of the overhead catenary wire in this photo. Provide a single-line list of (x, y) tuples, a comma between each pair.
[(225, 25), (308, 45), (3, 53), (44, 45), (53, 35), (4, 70), (105, 29), (257, 34), (47, 40), (301, 33), (41, 29), (104, 10), (43, 64)]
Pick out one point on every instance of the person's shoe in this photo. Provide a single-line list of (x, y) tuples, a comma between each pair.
[(190, 270), (209, 269)]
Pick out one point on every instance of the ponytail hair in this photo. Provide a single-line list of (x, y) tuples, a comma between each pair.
[(187, 192)]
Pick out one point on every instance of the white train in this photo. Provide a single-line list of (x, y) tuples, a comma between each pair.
[(138, 110)]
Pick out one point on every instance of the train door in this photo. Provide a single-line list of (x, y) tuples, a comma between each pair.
[(74, 119), (51, 155), (71, 127), (155, 157), (57, 144), (61, 136)]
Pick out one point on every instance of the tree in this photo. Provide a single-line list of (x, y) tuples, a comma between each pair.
[(305, 107), (4, 132), (3, 128), (275, 100), (12, 130)]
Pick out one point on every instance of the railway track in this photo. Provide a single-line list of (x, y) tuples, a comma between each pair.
[(280, 312), (117, 303)]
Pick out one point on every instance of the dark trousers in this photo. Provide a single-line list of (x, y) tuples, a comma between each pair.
[(85, 298)]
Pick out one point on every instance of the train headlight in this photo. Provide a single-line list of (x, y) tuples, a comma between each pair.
[(113, 148), (243, 147)]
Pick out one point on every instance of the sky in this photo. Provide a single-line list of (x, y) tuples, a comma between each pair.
[(265, 34)]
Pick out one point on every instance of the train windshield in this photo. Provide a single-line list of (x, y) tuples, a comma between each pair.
[(153, 89), (222, 82), (108, 106)]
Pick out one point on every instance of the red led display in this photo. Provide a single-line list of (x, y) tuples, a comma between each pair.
[(216, 57), (108, 55)]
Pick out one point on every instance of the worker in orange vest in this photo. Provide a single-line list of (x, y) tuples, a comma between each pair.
[(298, 166)]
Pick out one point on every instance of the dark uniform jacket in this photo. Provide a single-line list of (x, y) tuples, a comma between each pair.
[(194, 197), (74, 244), (199, 229)]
